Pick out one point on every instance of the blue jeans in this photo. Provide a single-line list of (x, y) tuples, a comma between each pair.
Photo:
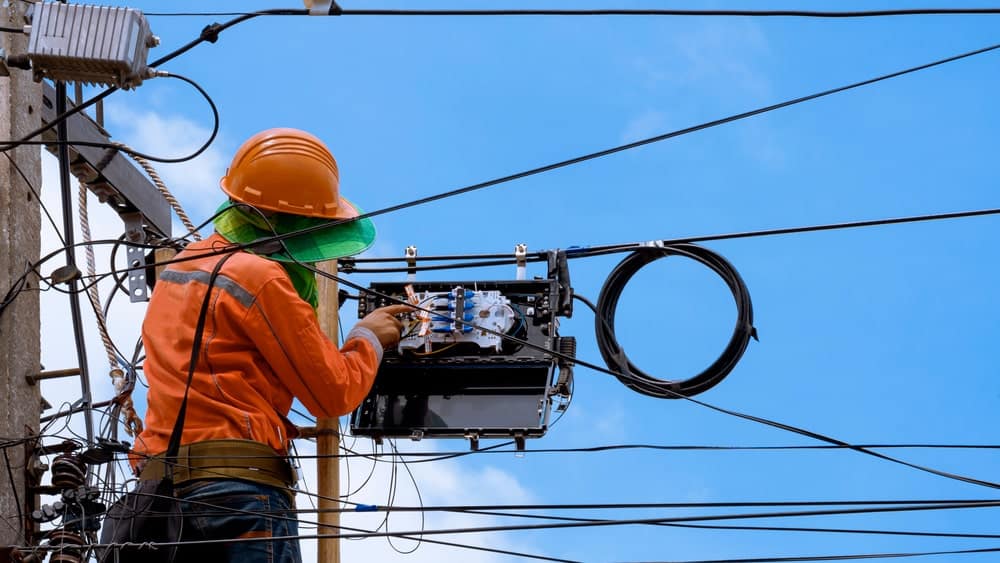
[(219, 509)]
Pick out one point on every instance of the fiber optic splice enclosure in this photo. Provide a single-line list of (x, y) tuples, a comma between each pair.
[(450, 379)]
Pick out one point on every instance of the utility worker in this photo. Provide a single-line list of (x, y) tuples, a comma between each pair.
[(261, 346)]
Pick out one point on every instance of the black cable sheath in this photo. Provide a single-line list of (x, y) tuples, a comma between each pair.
[(613, 353), (585, 524), (74, 299), (168, 160), (634, 12)]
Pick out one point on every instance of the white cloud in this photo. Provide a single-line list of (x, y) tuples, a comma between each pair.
[(715, 56), (194, 183), (607, 427), (717, 52), (646, 124)]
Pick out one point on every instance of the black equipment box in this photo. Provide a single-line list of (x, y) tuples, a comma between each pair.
[(458, 371)]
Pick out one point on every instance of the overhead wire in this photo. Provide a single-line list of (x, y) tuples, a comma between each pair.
[(420, 501), (137, 154), (17, 496), (900, 504), (593, 523), (852, 557), (866, 507), (606, 152), (860, 531), (668, 392), (222, 509), (38, 197), (845, 446), (664, 390), (615, 12), (441, 455), (639, 143)]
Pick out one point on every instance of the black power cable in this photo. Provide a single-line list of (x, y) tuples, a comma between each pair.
[(613, 353), (626, 12), (169, 160), (642, 142)]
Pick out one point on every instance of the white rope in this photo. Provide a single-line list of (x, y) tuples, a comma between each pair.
[(158, 182), (92, 292), (123, 395)]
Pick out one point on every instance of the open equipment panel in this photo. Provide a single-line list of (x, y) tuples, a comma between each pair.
[(456, 372)]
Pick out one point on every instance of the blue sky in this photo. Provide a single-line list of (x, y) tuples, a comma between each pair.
[(874, 335)]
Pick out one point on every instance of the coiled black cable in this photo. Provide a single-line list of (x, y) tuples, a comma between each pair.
[(636, 379)]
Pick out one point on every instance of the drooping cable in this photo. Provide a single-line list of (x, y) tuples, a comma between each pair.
[(169, 160)]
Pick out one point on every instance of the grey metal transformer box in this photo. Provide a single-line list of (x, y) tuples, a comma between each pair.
[(90, 44)]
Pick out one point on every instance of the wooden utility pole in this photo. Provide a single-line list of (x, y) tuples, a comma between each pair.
[(20, 228), (328, 432)]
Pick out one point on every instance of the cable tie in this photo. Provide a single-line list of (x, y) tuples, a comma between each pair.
[(366, 508), (211, 32), (652, 244)]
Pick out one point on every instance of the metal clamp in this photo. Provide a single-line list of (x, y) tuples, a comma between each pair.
[(521, 255), (411, 263), (473, 441), (322, 7)]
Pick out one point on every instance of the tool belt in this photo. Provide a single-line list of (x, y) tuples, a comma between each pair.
[(224, 459)]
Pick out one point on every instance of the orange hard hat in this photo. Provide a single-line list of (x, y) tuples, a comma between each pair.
[(289, 171)]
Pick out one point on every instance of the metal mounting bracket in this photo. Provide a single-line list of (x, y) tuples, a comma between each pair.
[(411, 263), (138, 291), (521, 255)]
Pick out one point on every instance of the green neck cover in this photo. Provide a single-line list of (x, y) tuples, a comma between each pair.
[(252, 227)]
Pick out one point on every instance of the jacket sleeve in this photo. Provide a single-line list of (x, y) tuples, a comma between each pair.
[(328, 381)]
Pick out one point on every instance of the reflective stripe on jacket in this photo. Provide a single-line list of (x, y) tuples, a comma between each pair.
[(262, 345)]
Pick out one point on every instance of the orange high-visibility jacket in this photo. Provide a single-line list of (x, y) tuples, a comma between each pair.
[(262, 345)]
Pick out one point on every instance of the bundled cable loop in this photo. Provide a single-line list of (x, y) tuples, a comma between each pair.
[(613, 353)]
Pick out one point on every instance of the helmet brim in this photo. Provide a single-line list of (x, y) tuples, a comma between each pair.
[(336, 241)]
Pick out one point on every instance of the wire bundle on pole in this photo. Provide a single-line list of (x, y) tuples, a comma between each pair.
[(613, 353)]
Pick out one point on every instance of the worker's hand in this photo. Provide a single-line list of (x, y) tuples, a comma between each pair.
[(384, 324)]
